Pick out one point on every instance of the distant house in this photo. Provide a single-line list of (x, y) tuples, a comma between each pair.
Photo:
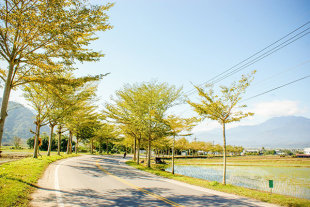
[(250, 150), (307, 151), (184, 153), (279, 152), (201, 152)]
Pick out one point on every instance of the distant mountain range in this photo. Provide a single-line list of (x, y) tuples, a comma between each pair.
[(277, 132), (19, 122)]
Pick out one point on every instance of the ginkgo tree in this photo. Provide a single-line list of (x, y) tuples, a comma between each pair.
[(223, 108), (40, 38)]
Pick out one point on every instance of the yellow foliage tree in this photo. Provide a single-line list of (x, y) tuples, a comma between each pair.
[(39, 39), (223, 108)]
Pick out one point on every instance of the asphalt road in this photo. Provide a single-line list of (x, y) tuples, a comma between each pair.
[(107, 181)]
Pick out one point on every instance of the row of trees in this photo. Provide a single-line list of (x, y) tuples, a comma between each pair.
[(194, 147), (140, 112), (68, 105), (54, 143), (40, 42)]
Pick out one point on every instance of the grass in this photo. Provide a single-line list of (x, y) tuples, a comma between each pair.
[(18, 178), (246, 192)]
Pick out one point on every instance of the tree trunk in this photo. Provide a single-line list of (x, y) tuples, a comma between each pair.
[(77, 144), (107, 147), (91, 146), (138, 152), (135, 150), (172, 167), (36, 139), (5, 100), (50, 140), (149, 152), (69, 151), (224, 155), (59, 139)]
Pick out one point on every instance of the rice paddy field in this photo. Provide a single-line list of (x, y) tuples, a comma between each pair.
[(291, 176), (8, 154)]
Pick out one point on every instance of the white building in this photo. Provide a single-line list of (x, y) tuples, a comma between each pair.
[(307, 151)]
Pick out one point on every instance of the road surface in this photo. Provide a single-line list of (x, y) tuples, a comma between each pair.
[(108, 181)]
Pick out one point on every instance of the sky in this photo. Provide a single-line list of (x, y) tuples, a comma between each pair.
[(186, 42)]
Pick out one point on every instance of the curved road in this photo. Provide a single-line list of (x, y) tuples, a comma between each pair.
[(107, 181)]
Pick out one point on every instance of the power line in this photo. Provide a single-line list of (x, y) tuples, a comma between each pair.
[(268, 91), (282, 72), (259, 58), (276, 48), (269, 52), (262, 50), (277, 88)]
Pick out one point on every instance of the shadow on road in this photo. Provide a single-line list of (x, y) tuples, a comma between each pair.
[(128, 196), (131, 197)]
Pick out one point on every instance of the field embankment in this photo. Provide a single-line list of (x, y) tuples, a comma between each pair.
[(271, 160)]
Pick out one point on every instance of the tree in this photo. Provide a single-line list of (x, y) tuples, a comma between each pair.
[(82, 114), (223, 108), (106, 133), (40, 38), (181, 144), (142, 107), (17, 142), (128, 112), (39, 100), (30, 142), (177, 126), (157, 99)]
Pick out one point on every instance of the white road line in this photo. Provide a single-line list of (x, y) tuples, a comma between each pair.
[(56, 185)]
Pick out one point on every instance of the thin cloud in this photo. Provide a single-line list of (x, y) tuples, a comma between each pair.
[(277, 108)]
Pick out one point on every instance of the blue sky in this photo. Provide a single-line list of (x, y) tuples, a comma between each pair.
[(184, 41)]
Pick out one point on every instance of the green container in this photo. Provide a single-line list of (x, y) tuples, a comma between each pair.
[(270, 183)]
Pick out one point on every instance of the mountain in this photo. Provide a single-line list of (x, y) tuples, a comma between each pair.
[(277, 132), (19, 122)]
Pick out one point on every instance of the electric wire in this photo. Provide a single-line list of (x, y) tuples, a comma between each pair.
[(282, 72), (269, 52), (262, 50), (273, 89), (260, 58), (276, 88)]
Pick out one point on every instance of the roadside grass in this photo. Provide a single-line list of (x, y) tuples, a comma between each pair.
[(18, 178), (282, 200)]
